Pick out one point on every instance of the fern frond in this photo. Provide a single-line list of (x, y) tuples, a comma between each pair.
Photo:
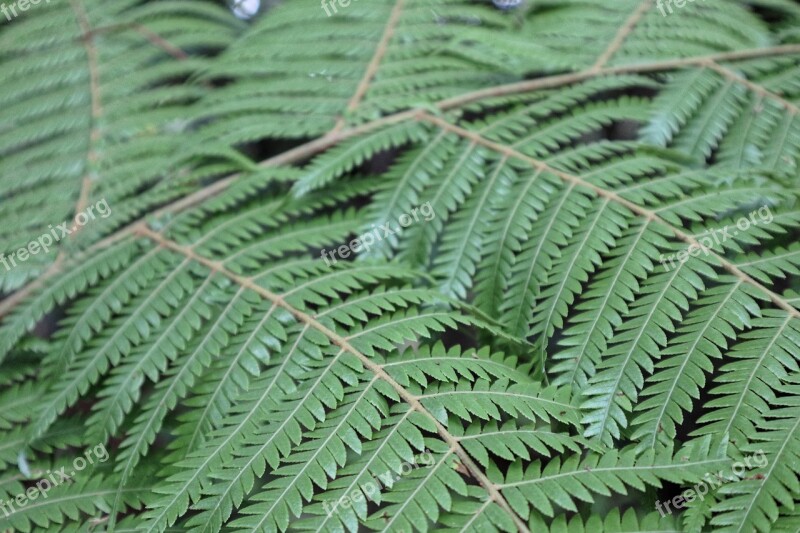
[(607, 271)]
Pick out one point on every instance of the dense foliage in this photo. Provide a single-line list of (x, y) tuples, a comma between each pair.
[(416, 265)]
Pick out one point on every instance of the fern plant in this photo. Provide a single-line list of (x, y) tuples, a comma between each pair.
[(595, 326)]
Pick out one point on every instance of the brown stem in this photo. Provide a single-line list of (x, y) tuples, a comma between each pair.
[(150, 35), (96, 105), (372, 68), (622, 34), (344, 344), (306, 150), (755, 87), (656, 66), (776, 299), (291, 156), (160, 42), (311, 148)]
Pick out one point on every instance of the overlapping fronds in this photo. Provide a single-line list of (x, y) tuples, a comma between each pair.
[(95, 102), (411, 266)]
